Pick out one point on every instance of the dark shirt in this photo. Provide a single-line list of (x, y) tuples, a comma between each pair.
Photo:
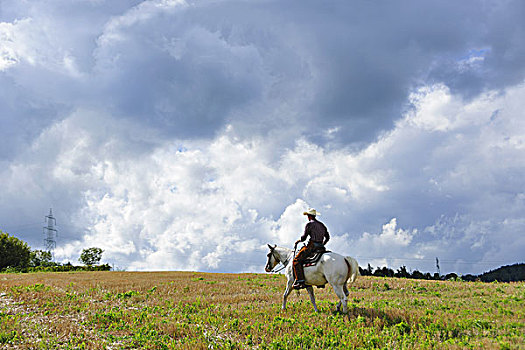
[(317, 232)]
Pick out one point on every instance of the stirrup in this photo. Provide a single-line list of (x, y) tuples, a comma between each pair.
[(299, 285)]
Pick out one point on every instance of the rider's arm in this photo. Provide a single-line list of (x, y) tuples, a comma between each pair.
[(326, 238), (326, 235)]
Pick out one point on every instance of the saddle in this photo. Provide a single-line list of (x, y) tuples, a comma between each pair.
[(314, 258)]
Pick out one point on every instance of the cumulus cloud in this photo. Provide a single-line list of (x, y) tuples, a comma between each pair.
[(419, 192), (173, 133)]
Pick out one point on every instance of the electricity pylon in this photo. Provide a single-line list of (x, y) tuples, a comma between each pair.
[(50, 232)]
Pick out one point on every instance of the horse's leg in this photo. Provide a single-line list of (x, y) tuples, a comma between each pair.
[(310, 290), (345, 290), (287, 292), (342, 297)]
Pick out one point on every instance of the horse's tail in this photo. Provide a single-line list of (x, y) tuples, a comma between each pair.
[(353, 268)]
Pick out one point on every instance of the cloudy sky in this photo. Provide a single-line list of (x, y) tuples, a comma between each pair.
[(186, 135)]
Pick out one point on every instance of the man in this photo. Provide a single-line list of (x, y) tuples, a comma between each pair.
[(319, 236)]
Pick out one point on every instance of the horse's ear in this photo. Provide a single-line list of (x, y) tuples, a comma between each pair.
[(271, 248)]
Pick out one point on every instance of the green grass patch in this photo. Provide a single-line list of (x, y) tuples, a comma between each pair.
[(179, 310)]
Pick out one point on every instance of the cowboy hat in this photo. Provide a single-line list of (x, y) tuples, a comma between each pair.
[(312, 212)]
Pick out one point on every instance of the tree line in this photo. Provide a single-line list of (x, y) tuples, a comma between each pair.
[(509, 273), (17, 256)]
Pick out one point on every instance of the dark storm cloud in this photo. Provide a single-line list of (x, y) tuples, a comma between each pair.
[(189, 69), (369, 55), (209, 62)]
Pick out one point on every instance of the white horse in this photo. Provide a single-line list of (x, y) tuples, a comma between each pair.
[(333, 268)]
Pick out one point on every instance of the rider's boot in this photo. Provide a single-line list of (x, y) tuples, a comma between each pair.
[(299, 276)]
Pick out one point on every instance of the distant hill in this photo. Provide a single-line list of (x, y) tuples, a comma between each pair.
[(509, 273)]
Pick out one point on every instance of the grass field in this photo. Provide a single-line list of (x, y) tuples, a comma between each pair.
[(172, 310)]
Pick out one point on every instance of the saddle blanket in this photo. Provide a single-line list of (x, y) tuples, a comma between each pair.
[(314, 259)]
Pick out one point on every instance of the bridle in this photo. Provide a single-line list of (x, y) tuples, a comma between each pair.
[(284, 263)]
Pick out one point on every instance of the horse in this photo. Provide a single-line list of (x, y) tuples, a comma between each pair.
[(333, 268)]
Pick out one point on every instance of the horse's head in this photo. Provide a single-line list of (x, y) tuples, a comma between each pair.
[(272, 259)]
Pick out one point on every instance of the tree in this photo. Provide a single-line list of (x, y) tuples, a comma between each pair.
[(13, 252), (384, 272), (40, 258), (91, 256), (418, 275), (451, 276), (508, 273), (402, 272)]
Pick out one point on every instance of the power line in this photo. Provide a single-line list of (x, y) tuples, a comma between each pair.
[(14, 228), (455, 261)]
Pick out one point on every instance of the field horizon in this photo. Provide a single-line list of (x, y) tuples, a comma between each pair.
[(183, 310)]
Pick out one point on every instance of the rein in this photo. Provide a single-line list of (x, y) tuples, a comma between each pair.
[(279, 270)]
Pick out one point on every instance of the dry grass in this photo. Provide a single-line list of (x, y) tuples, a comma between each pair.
[(178, 310)]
